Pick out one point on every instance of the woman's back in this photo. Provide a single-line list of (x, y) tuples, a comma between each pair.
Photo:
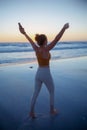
[(43, 56)]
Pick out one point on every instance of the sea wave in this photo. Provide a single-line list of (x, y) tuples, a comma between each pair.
[(23, 52), (25, 47)]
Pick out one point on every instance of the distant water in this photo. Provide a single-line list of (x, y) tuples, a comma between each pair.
[(23, 52)]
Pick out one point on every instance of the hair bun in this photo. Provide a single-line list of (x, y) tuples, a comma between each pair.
[(37, 37)]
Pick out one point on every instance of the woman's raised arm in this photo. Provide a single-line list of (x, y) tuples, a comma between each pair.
[(58, 36), (28, 38)]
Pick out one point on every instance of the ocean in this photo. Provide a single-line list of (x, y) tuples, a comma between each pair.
[(23, 52)]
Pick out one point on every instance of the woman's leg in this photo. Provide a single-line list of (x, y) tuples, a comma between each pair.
[(50, 86), (38, 84)]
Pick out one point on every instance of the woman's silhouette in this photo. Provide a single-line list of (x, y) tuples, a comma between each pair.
[(43, 74)]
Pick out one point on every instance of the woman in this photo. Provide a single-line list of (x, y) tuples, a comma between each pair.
[(43, 74)]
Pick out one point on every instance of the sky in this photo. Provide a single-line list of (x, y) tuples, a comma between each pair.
[(43, 16)]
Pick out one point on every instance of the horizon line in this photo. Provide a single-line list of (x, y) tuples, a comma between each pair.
[(35, 42)]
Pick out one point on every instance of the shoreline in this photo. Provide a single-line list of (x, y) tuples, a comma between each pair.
[(35, 61)]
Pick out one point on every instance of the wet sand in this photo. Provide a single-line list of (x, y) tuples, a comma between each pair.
[(16, 88)]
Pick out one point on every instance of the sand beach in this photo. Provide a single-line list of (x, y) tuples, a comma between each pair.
[(16, 88)]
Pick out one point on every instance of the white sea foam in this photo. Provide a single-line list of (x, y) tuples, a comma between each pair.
[(21, 52)]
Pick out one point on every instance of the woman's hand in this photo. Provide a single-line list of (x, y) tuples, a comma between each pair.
[(66, 26), (21, 29)]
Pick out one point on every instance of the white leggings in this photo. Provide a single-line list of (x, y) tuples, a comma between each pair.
[(43, 75)]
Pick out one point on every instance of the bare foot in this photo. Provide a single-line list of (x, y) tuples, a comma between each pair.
[(54, 112), (32, 115)]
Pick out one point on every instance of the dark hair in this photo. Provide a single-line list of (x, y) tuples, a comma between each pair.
[(40, 39)]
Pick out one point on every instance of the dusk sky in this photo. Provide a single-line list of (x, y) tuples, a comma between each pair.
[(43, 16)]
